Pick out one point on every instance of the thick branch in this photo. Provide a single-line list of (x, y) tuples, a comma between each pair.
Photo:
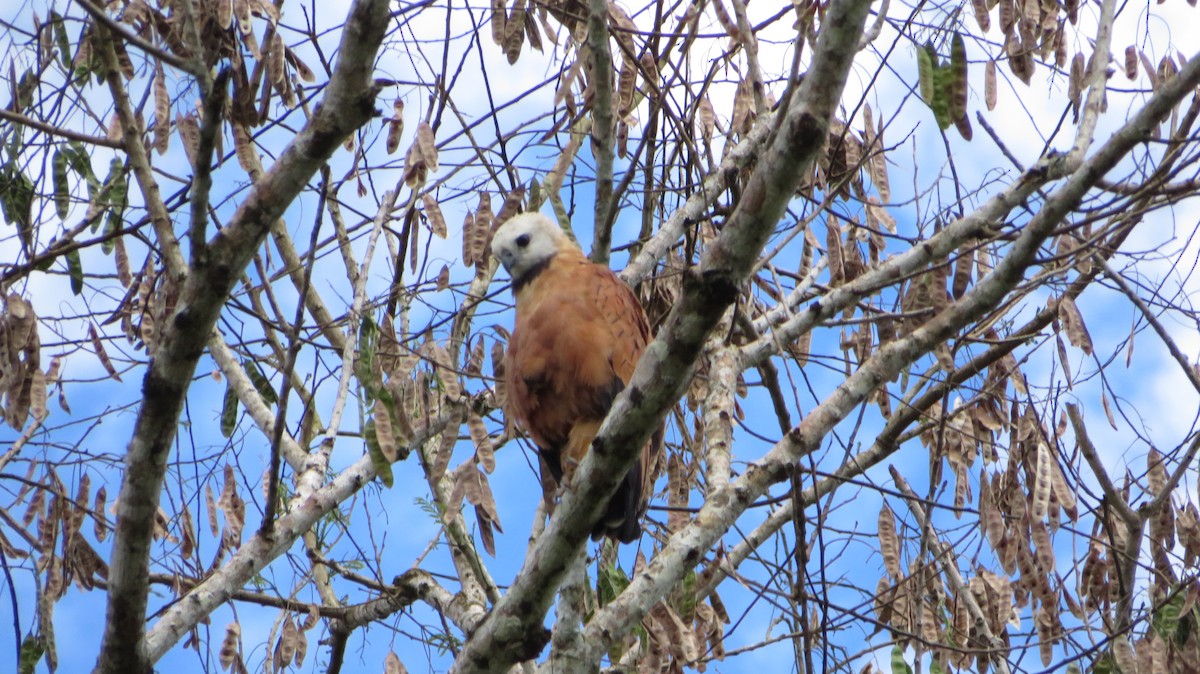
[(513, 631), (348, 104), (602, 126), (694, 209), (256, 553), (724, 506)]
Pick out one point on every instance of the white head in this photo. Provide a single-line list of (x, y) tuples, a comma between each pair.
[(526, 241)]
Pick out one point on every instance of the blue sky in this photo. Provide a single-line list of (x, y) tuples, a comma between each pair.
[(387, 519)]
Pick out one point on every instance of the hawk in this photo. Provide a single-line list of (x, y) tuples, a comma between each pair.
[(578, 334)]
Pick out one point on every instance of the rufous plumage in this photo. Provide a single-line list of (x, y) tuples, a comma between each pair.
[(578, 334)]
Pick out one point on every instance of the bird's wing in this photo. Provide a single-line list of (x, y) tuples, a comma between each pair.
[(564, 353), (579, 333)]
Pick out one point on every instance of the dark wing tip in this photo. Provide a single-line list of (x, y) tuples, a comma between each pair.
[(621, 519)]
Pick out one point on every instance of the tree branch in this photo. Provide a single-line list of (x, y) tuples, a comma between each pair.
[(602, 126), (724, 506), (260, 550), (348, 104), (513, 630)]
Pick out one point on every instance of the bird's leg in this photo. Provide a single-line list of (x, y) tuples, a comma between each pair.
[(569, 465), (579, 441)]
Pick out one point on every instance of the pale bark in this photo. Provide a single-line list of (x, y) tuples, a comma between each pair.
[(513, 631), (348, 103)]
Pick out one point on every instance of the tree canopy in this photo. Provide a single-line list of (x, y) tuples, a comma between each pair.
[(896, 258)]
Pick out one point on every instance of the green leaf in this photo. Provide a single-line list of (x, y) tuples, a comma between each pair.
[(17, 142), (81, 163), (25, 87), (941, 98), (111, 224), (611, 582), (1165, 620), (535, 195), (229, 412), (261, 383), (899, 666), (112, 195), (60, 38), (33, 647), (926, 63), (62, 190), (75, 270), (685, 597), (118, 195), (364, 367), (383, 467), (16, 199)]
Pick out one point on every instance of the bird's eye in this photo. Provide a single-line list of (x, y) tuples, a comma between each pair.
[(522, 240)]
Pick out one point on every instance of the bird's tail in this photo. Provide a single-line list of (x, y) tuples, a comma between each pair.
[(622, 519)]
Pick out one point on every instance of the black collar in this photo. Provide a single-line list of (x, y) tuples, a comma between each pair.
[(521, 281)]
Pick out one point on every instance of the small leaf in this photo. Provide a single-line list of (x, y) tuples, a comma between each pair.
[(101, 353), (926, 63), (889, 542), (16, 200), (33, 647), (229, 412), (499, 21), (899, 666), (230, 652), (61, 40), (395, 126), (941, 97), (433, 212), (957, 82), (514, 32), (610, 582), (224, 22), (704, 112), (383, 430), (162, 111), (383, 467), (62, 191), (429, 149), (981, 14), (1131, 62), (392, 664), (261, 383), (1108, 410), (484, 452), (1042, 482), (989, 85)]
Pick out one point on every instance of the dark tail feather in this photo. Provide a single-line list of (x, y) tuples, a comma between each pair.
[(621, 520)]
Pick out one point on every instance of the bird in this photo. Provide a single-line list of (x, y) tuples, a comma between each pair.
[(577, 336)]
